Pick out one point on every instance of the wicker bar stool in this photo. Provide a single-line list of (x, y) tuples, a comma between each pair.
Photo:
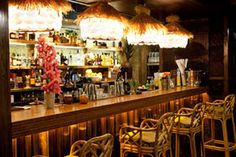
[(100, 146), (152, 138), (220, 110), (188, 122)]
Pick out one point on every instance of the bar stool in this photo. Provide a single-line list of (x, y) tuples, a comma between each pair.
[(100, 146), (152, 138), (188, 122), (220, 110)]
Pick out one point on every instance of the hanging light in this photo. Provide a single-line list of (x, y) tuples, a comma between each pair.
[(101, 22), (37, 15), (144, 29), (177, 36)]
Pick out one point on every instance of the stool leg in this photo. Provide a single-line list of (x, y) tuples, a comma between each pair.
[(212, 129), (193, 145), (121, 152), (177, 145), (225, 136), (164, 153), (171, 153), (203, 138), (233, 125)]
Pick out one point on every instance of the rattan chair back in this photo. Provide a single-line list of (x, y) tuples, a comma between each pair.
[(190, 118), (101, 146), (151, 138)]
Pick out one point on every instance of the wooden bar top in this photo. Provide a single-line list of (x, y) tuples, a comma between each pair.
[(38, 118)]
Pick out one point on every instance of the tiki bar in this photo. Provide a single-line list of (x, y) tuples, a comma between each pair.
[(117, 78)]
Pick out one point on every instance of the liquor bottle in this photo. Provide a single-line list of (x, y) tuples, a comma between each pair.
[(126, 85), (152, 85), (178, 78), (13, 59), (12, 83), (147, 85), (18, 60), (12, 35), (58, 58), (38, 80), (32, 79), (57, 38), (32, 36), (50, 37), (20, 82)]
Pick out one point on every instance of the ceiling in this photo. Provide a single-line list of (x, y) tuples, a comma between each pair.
[(186, 9)]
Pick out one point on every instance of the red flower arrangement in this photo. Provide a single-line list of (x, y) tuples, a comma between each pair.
[(47, 55)]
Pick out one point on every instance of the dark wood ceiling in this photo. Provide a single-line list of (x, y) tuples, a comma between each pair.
[(186, 9)]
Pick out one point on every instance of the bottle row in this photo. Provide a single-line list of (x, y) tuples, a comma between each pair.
[(34, 79), (70, 59), (65, 37), (68, 36)]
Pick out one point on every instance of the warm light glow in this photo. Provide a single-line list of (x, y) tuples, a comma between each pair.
[(43, 19), (101, 29), (144, 29), (174, 41), (150, 37), (177, 36), (101, 22)]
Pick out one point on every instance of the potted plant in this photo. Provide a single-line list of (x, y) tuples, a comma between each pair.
[(47, 55)]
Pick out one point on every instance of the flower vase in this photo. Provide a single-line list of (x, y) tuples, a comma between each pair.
[(49, 100)]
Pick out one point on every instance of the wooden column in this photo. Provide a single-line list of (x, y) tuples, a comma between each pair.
[(5, 114), (217, 56), (226, 56), (139, 63)]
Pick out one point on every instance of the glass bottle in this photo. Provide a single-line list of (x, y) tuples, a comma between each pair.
[(32, 79), (178, 78)]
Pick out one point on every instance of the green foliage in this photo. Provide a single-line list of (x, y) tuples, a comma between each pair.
[(129, 50)]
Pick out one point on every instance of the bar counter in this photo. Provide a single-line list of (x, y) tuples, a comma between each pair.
[(39, 119)]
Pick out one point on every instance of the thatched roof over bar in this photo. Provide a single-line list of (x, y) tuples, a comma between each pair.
[(143, 22), (174, 27), (59, 5), (100, 10)]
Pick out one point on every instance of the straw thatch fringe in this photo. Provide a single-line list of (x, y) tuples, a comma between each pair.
[(100, 10), (143, 22), (175, 28), (59, 5)]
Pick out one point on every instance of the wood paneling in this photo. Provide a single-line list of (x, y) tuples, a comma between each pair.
[(226, 56), (39, 119), (5, 118), (218, 57)]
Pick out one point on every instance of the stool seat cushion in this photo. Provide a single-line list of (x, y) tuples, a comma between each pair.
[(186, 121), (183, 120), (149, 136)]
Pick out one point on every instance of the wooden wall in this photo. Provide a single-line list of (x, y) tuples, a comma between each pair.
[(218, 56), (232, 50), (5, 114)]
